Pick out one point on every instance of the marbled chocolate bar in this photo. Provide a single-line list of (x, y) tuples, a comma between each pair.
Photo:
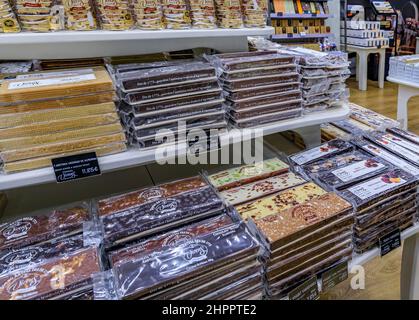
[(137, 277), (171, 238), (405, 134), (373, 190), (160, 215), (278, 202), (132, 199), (234, 177), (301, 219), (31, 230), (12, 259), (255, 190), (52, 279)]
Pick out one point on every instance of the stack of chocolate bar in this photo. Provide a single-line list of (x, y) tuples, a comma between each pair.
[(146, 212), (212, 259), (169, 97), (50, 114), (304, 240), (260, 86), (48, 257)]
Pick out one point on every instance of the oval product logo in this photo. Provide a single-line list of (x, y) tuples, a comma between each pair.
[(177, 238), (17, 229), (195, 252), (165, 206), (22, 256), (25, 285), (152, 193)]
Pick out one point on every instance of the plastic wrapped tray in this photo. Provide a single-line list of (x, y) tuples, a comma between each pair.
[(263, 90), (280, 111), (232, 85), (256, 121), (203, 14), (284, 97), (410, 136), (258, 72)]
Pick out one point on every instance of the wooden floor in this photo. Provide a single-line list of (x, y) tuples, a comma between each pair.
[(382, 275)]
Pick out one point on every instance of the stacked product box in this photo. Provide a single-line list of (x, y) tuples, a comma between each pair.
[(323, 74), (260, 87), (212, 259), (384, 196), (305, 229), (49, 256), (115, 14), (364, 34), (57, 113), (8, 20), (405, 68), (176, 97)]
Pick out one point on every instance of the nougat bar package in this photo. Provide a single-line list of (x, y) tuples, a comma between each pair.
[(405, 134)]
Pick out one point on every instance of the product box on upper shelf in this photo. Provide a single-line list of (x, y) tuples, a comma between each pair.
[(368, 42), (361, 25)]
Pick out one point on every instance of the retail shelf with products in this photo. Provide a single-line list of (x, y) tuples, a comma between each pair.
[(299, 16), (135, 157), (86, 44), (300, 36)]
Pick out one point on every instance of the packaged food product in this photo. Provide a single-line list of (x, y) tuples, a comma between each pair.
[(229, 13), (148, 14), (254, 13), (79, 15), (8, 20), (176, 14), (114, 14), (37, 16), (203, 14), (405, 134)]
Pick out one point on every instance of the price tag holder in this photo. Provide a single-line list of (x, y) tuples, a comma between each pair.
[(334, 276), (76, 167), (303, 34), (390, 241), (290, 35), (308, 290)]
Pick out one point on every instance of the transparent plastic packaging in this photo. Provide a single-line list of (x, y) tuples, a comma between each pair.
[(170, 266), (148, 14), (258, 72), (79, 15), (8, 20), (176, 14), (55, 278), (160, 215), (263, 90), (331, 132), (286, 99), (229, 14), (277, 111), (203, 14), (352, 126), (255, 13), (52, 224), (244, 60), (114, 14), (410, 136), (371, 118), (36, 16), (235, 177), (260, 81)]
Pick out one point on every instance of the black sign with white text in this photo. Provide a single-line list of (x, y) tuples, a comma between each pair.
[(76, 167)]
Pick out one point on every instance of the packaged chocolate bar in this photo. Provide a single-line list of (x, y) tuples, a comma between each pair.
[(301, 219), (234, 177), (386, 155), (148, 14), (8, 20), (147, 79), (255, 121), (160, 215), (280, 110), (203, 14), (259, 189), (405, 134), (52, 279), (254, 13), (176, 14), (114, 14), (39, 16), (256, 82), (199, 87), (371, 191), (12, 259), (189, 259), (280, 201), (371, 118), (328, 149), (263, 90), (52, 224), (352, 126), (258, 72), (171, 238), (228, 13), (331, 132), (246, 61), (260, 101), (395, 144), (132, 199), (355, 172)]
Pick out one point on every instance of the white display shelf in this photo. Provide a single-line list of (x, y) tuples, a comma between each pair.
[(100, 43), (403, 82), (361, 259), (135, 157)]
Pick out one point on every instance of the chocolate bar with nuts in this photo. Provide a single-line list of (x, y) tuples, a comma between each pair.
[(36, 229), (160, 215), (405, 134), (52, 279), (136, 278), (171, 239)]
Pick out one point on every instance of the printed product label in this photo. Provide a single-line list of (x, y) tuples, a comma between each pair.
[(357, 169), (399, 149), (306, 291), (18, 229), (376, 186), (48, 82), (392, 159), (54, 74), (401, 142), (313, 154)]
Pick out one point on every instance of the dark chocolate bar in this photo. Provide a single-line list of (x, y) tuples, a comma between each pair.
[(36, 229), (260, 81), (263, 91), (137, 277), (259, 72), (161, 214), (274, 109), (259, 101), (247, 62), (52, 279)]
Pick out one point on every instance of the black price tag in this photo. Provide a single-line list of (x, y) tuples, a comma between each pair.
[(390, 242), (305, 291), (336, 275), (290, 35), (314, 14), (279, 14), (76, 166)]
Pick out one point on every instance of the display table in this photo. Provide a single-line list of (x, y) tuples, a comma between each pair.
[(406, 91), (362, 64), (308, 126), (101, 43)]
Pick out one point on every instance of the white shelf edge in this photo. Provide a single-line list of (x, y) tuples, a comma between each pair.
[(403, 82), (135, 157), (361, 259)]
